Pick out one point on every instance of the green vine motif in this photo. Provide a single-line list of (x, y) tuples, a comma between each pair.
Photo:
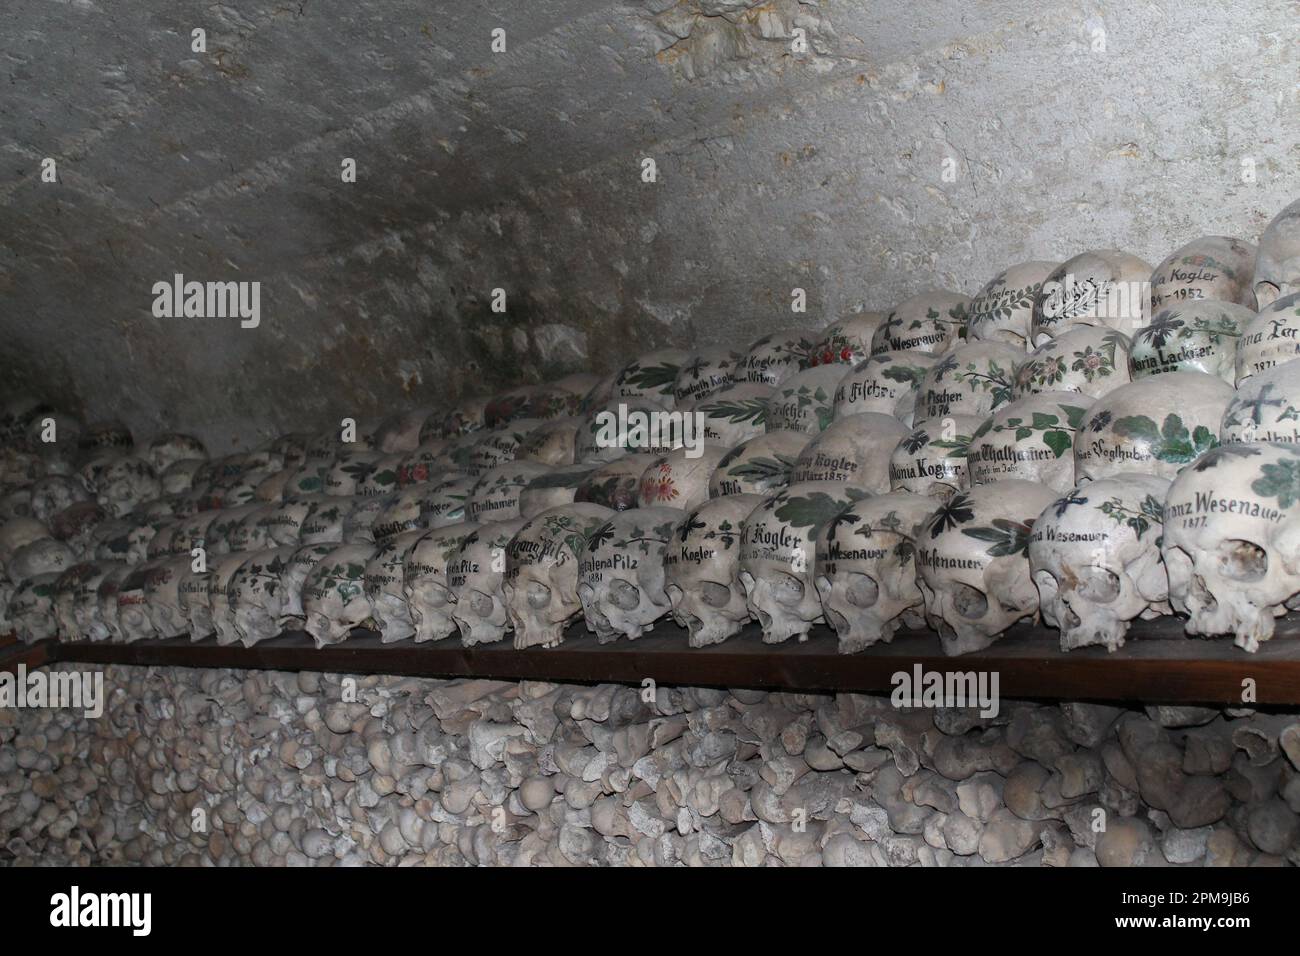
[(653, 378), (1280, 480), (1005, 537), (1163, 327), (738, 412), (1057, 435), (1093, 363), (995, 380), (1224, 327), (1150, 511), (915, 441), (904, 374), (1009, 302), (762, 469), (727, 534), (806, 397), (953, 513), (1171, 441), (956, 447), (814, 510), (1045, 371)]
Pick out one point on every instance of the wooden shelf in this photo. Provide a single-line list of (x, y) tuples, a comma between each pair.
[(1157, 665)]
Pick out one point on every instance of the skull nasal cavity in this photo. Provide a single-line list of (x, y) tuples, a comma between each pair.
[(1243, 561), (969, 602)]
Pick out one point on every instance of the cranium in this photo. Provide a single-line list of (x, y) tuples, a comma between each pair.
[(17, 533), (334, 599), (931, 460), (1155, 426), (929, 322), (854, 449), (628, 426), (400, 433), (110, 586), (252, 532), (42, 556), (1091, 359), (702, 570), (615, 485), (133, 619), (805, 402), (969, 380), (475, 575), (385, 586), (165, 450), (600, 394), (67, 589), (758, 466), (300, 564), (679, 479), (422, 465), (552, 443), (1266, 407), (324, 520), (972, 563), (428, 597), (866, 572), (216, 537), (79, 527), (256, 596), (651, 376), (775, 357), (778, 551), (733, 414), (1277, 264), (358, 524), (15, 504), (381, 479), (1102, 287), (124, 483), (162, 596), (466, 417), (1232, 540), (495, 496), (1003, 310), (444, 503), (87, 608), (1033, 439), (400, 514), (541, 585), (557, 487), (1195, 337), (1095, 558), (1218, 268), (704, 374), (221, 609), (847, 341), (621, 572), (178, 477), (272, 489), (886, 383), (52, 494), (31, 609), (526, 401), (350, 471), (291, 448), (159, 543), (1272, 338), (195, 600)]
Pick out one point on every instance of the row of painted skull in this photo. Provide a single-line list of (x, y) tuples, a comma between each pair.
[(1082, 443)]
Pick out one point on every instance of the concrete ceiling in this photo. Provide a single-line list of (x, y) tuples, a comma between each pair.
[(521, 170)]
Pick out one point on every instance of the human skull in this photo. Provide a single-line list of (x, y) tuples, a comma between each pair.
[(702, 570), (17, 533), (224, 521), (162, 596), (778, 552), (1232, 540), (1156, 426), (1091, 359), (615, 485), (554, 442), (1266, 407), (52, 494), (253, 531), (931, 459), (1277, 264), (179, 476), (111, 436), (805, 402), (401, 513), (300, 564), (221, 608), (108, 539), (124, 483), (970, 379), (256, 596), (67, 588), (495, 496), (291, 448), (423, 464), (541, 584), (930, 322), (165, 450), (854, 449), (350, 470), (651, 376), (1033, 439), (732, 414), (324, 520), (475, 575), (972, 563), (679, 479), (272, 489), (704, 374), (866, 571), (1218, 268), (621, 572), (527, 401), (557, 487), (627, 426), (1095, 558), (87, 608), (466, 417), (195, 600), (1272, 338), (358, 523), (1102, 287), (15, 504), (444, 503), (848, 341), (775, 357), (886, 383), (1196, 337), (400, 433), (429, 599), (31, 609), (132, 613), (42, 556), (758, 466), (334, 598), (385, 586), (110, 587), (79, 526), (1003, 310)]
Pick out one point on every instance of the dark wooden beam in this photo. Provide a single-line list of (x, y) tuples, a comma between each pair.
[(1157, 665)]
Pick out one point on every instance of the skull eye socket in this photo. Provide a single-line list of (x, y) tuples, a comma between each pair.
[(969, 602), (1242, 560), (787, 590), (1266, 293), (623, 595), (715, 594), (480, 604), (1098, 585), (861, 591), (539, 595)]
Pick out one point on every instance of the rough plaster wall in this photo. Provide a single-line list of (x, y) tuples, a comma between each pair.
[(821, 170), (282, 770)]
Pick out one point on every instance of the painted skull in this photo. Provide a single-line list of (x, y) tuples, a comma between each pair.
[(300, 564), (621, 572), (162, 596), (970, 379), (325, 519), (179, 476), (1090, 359), (679, 479), (124, 483), (702, 570), (886, 383), (385, 580), (256, 594), (1218, 268), (1102, 287), (428, 597), (444, 503), (775, 357), (475, 575), (165, 450), (1033, 439), (973, 566), (557, 487), (541, 584), (400, 433), (805, 402), (334, 598), (495, 496), (552, 443), (87, 609), (132, 613), (1095, 559), (732, 414), (1277, 264), (110, 587), (1003, 310), (42, 556), (931, 459), (627, 426), (1196, 337), (854, 449), (848, 341), (615, 485), (31, 608), (930, 322), (704, 374), (52, 494), (1272, 338), (778, 554), (423, 464), (1156, 426), (1266, 407), (758, 466), (866, 569), (221, 609)]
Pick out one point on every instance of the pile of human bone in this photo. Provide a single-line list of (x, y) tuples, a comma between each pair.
[(1082, 443)]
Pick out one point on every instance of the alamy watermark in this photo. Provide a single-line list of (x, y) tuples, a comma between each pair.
[(634, 428), (179, 299), (76, 690), (922, 688)]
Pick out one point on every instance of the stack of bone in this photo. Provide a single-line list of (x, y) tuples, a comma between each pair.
[(218, 768), (1082, 443)]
